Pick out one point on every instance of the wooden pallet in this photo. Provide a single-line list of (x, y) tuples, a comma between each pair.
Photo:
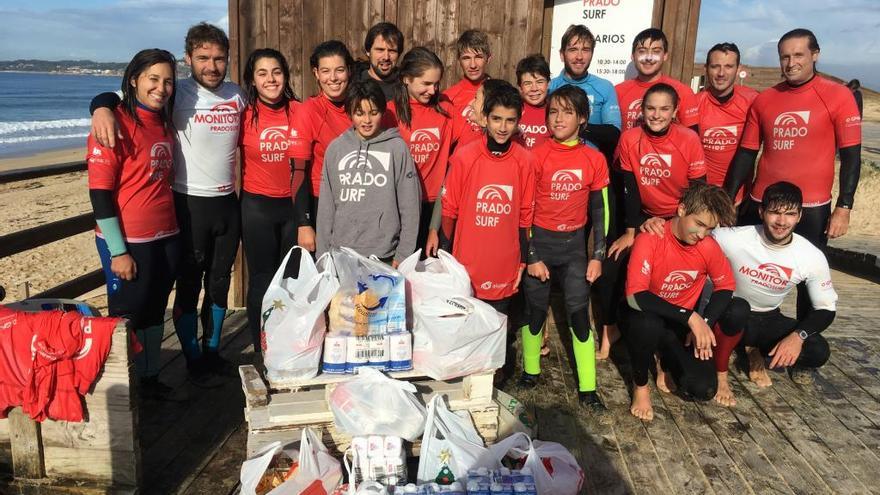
[(279, 410)]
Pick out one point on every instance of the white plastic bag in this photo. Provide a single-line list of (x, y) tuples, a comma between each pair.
[(450, 445), (318, 473), (373, 404), (252, 469), (372, 296), (293, 325), (432, 277), (564, 476), (513, 416), (457, 336)]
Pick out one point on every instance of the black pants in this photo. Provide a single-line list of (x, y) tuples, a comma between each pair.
[(268, 231), (765, 330), (144, 299), (566, 259), (210, 230), (424, 225), (812, 226), (649, 333)]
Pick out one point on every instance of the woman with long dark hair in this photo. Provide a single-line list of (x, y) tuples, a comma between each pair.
[(130, 191), (268, 224)]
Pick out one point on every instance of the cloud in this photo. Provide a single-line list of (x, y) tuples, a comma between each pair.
[(112, 32), (846, 29)]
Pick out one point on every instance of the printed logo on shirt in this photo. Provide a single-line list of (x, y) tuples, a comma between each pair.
[(493, 201), (8, 322), (646, 267), (274, 144), (634, 112), (654, 167), (489, 285), (720, 138), (423, 142), (161, 160), (826, 285), (221, 118), (768, 275), (565, 182), (676, 282), (789, 126), (85, 324), (529, 131), (361, 169), (97, 151)]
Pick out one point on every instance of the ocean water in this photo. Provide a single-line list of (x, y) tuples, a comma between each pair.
[(44, 112)]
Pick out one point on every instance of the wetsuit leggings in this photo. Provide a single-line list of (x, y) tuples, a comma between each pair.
[(210, 230), (268, 231), (765, 330), (565, 256), (424, 225), (814, 221), (514, 308), (649, 333), (142, 300)]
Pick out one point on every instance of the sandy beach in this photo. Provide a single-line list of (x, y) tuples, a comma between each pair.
[(35, 202)]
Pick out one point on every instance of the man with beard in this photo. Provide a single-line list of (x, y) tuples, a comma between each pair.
[(768, 260), (724, 107), (382, 45), (207, 116)]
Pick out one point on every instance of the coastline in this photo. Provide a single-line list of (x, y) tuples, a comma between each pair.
[(44, 158), (56, 73)]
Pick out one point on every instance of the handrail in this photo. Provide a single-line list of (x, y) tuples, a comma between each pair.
[(42, 171), (34, 237)]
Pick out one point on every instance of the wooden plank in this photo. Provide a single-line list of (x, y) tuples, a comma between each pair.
[(492, 23), (27, 446), (547, 29), (808, 443), (236, 58), (798, 474), (829, 426), (34, 237), (514, 36), (830, 376), (407, 21), (290, 41), (313, 13), (271, 19), (28, 173), (96, 465), (447, 34), (756, 469), (74, 288), (255, 392), (851, 405), (215, 477), (855, 361)]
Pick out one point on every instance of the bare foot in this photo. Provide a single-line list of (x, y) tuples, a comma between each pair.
[(610, 335), (724, 396), (665, 383), (641, 403), (757, 371)]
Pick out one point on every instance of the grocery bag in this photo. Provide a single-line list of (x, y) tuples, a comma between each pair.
[(440, 276), (450, 445), (252, 469), (319, 473), (554, 468), (513, 416), (457, 336), (373, 404), (293, 319), (372, 296)]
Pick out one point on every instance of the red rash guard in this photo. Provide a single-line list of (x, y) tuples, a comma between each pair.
[(139, 172), (429, 139), (265, 166), (801, 129), (491, 198), (317, 123), (663, 165), (461, 95), (674, 271), (564, 177), (721, 126), (533, 126), (631, 91)]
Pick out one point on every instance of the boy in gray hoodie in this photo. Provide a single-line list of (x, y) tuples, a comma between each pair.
[(370, 191)]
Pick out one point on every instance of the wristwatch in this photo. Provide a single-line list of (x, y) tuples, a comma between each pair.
[(803, 335)]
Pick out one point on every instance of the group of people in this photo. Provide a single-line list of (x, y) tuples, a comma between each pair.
[(510, 179)]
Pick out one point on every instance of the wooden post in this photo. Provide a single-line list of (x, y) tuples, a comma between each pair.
[(27, 446)]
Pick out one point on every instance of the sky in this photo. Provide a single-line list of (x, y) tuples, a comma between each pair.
[(113, 30)]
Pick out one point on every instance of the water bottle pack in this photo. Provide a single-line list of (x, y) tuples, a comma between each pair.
[(379, 458), (345, 353), (501, 481)]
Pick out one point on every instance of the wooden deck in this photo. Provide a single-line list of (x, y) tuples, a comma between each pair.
[(823, 438)]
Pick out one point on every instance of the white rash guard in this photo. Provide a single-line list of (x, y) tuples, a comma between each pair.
[(765, 272), (207, 123)]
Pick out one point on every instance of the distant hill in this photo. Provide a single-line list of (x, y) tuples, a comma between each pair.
[(74, 66), (762, 78)]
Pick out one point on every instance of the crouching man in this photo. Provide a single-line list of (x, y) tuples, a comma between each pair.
[(665, 276), (768, 261)]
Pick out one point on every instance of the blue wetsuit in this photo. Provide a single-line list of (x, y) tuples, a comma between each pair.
[(603, 100)]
